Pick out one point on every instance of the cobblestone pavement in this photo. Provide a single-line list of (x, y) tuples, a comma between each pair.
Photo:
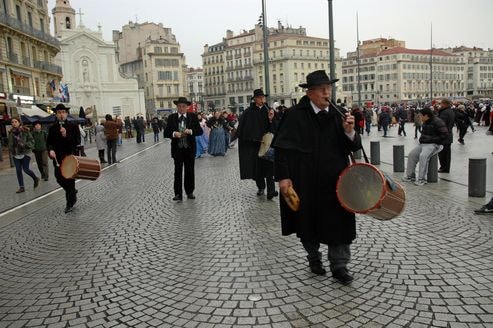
[(130, 257)]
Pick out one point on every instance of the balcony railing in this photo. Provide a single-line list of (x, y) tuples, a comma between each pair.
[(26, 61), (48, 67), (13, 58), (15, 24), (21, 90)]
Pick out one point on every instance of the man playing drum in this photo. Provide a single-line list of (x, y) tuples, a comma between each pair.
[(311, 150), (63, 139)]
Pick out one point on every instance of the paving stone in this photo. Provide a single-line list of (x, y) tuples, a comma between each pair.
[(148, 261)]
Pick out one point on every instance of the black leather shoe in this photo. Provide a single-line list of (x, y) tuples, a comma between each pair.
[(260, 192), (342, 275), (317, 268), (178, 197), (190, 196), (68, 209), (36, 182), (272, 195)]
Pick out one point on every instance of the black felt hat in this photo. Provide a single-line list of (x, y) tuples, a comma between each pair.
[(317, 78), (259, 93), (61, 107), (182, 100)]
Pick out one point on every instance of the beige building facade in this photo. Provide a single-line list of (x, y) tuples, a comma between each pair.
[(213, 65), (150, 53), (478, 72), (27, 52), (398, 74), (195, 86), (292, 55)]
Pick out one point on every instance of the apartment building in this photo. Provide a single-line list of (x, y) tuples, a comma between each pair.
[(478, 71), (150, 52), (292, 55), (27, 54), (397, 74), (213, 65), (195, 85)]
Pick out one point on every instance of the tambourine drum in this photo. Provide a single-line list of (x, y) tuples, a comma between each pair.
[(363, 188), (76, 167), (266, 151)]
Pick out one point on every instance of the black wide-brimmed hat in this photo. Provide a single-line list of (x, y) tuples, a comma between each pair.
[(259, 93), (182, 100), (317, 78), (61, 107)]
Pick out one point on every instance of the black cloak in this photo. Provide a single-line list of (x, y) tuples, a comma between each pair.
[(312, 151), (253, 124)]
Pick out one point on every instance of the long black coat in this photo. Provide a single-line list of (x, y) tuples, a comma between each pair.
[(192, 123), (63, 146), (312, 152), (448, 116), (253, 124)]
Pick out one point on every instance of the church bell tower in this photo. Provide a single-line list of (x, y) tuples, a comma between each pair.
[(63, 16)]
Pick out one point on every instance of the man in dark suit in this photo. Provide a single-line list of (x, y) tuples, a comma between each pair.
[(182, 128), (63, 138)]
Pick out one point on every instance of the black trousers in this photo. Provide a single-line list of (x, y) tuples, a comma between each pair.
[(68, 185), (111, 145), (444, 157), (184, 158)]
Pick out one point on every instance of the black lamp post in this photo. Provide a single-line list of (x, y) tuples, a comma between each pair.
[(331, 50), (265, 36)]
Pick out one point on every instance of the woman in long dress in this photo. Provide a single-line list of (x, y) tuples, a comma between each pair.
[(217, 142), (203, 140)]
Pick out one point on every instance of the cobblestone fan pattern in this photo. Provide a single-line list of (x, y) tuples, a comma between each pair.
[(130, 257)]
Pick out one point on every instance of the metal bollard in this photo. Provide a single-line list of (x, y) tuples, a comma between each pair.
[(375, 152), (398, 158), (357, 154), (477, 177), (432, 175)]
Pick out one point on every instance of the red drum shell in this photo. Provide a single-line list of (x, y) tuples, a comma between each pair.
[(362, 188), (76, 167)]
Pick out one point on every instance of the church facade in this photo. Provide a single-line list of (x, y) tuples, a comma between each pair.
[(91, 75)]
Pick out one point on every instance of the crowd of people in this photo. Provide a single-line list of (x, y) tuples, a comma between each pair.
[(308, 148)]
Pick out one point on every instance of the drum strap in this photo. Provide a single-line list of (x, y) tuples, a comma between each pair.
[(390, 182)]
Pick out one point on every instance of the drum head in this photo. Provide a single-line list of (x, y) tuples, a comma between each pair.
[(69, 167), (265, 144), (360, 188)]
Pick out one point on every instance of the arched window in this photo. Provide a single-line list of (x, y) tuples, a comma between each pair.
[(67, 23)]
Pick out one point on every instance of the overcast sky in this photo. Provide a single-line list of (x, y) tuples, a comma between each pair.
[(199, 22)]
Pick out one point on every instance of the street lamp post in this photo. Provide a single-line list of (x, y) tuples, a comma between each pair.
[(265, 36), (331, 50)]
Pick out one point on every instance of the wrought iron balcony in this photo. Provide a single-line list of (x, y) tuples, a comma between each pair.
[(48, 67), (15, 24)]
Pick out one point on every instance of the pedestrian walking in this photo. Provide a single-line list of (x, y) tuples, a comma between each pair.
[(311, 150), (63, 138), (111, 132), (447, 115), (384, 119), (155, 128), (418, 123), (217, 141), (21, 143), (252, 126), (100, 138), (462, 122), (182, 128), (40, 151)]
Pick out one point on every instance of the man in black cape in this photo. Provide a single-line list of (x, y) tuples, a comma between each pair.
[(62, 141), (253, 124), (312, 146)]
